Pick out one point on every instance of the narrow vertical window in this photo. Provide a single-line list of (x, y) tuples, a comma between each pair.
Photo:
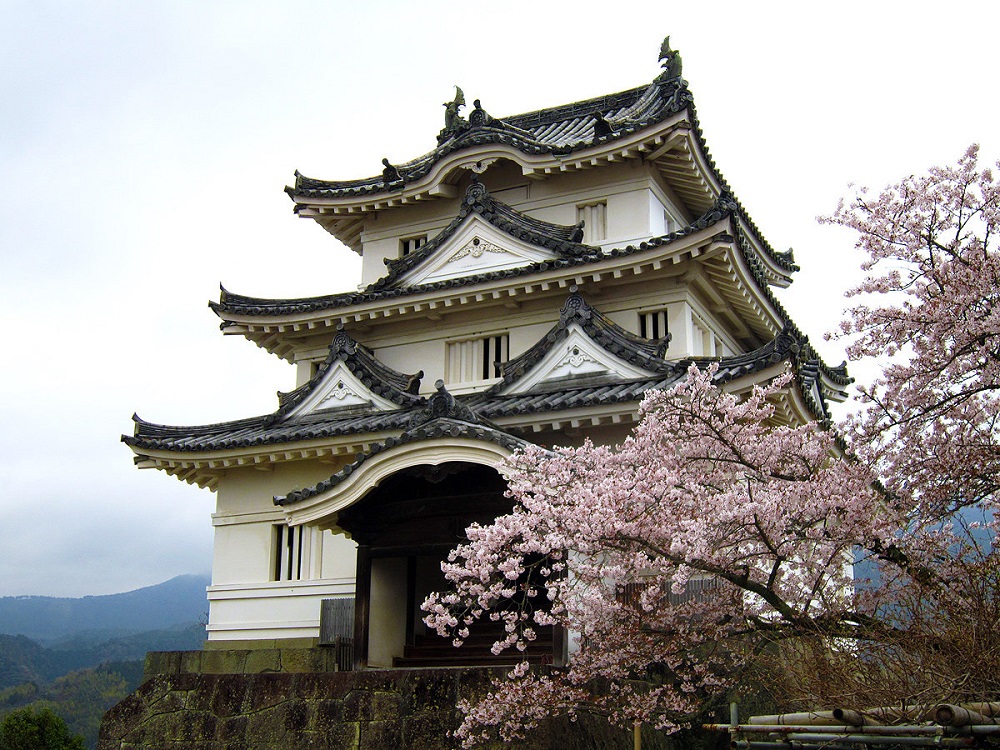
[(477, 359), (290, 553), (595, 221), (408, 245), (653, 325)]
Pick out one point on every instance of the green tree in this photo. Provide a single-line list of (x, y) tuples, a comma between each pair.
[(26, 729), (82, 697)]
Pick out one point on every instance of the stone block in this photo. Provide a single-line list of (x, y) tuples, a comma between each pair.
[(181, 682), (190, 662), (229, 695), (266, 729), (155, 663), (232, 729), (296, 716), (268, 690), (343, 736), (120, 719), (430, 730), (431, 691), (382, 735), (169, 702), (326, 714), (302, 660), (317, 686), (223, 662), (262, 660)]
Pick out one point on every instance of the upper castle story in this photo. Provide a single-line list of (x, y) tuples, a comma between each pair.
[(469, 249)]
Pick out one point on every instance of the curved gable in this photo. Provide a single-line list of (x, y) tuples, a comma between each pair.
[(475, 248)]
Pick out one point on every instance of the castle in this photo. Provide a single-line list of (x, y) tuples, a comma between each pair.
[(526, 281)]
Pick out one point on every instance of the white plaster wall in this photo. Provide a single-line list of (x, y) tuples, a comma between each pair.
[(242, 553), (340, 556), (387, 611), (376, 252), (270, 610), (627, 188), (244, 603), (426, 348)]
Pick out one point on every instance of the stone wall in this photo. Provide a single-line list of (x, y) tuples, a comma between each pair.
[(410, 709), (286, 699)]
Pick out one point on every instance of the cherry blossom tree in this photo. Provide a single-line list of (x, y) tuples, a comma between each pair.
[(673, 558), (929, 311), (713, 533)]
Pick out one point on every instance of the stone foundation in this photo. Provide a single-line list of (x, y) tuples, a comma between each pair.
[(288, 704)]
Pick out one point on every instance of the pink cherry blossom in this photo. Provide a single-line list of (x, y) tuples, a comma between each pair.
[(622, 540), (715, 529)]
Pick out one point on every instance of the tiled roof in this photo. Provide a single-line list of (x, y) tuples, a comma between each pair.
[(443, 416), (545, 398), (561, 239), (396, 386), (645, 353), (573, 254), (555, 130)]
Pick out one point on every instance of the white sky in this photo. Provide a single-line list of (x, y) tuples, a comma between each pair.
[(144, 147)]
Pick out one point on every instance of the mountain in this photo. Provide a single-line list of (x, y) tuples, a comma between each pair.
[(48, 619), (22, 660)]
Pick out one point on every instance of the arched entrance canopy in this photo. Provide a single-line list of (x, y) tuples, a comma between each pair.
[(321, 504)]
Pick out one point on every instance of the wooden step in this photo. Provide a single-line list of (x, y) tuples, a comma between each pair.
[(430, 649), (483, 660)]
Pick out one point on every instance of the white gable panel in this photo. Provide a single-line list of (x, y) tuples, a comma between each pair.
[(477, 247), (576, 355), (341, 388)]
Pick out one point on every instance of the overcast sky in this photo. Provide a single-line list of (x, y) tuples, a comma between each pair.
[(144, 147)]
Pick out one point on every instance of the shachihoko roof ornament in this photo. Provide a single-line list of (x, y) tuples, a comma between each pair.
[(670, 60)]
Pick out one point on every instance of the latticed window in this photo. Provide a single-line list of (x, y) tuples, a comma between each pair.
[(653, 325), (595, 221), (290, 555), (408, 245), (476, 359)]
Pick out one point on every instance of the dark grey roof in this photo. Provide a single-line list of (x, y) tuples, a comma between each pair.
[(561, 239), (646, 353), (477, 409), (573, 254), (396, 386), (555, 130), (443, 416)]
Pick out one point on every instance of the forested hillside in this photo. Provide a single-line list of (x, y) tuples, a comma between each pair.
[(81, 656), (81, 679)]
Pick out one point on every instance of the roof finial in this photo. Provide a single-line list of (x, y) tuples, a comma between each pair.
[(453, 122), (478, 117), (451, 116), (390, 174), (601, 126), (670, 60)]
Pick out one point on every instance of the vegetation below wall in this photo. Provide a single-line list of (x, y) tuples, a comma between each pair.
[(82, 678)]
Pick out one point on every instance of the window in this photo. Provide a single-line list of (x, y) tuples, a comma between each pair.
[(476, 359), (290, 561), (595, 221), (703, 340), (408, 245), (653, 325), (670, 224)]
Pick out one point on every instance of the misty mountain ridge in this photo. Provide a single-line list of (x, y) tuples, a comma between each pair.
[(66, 623)]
